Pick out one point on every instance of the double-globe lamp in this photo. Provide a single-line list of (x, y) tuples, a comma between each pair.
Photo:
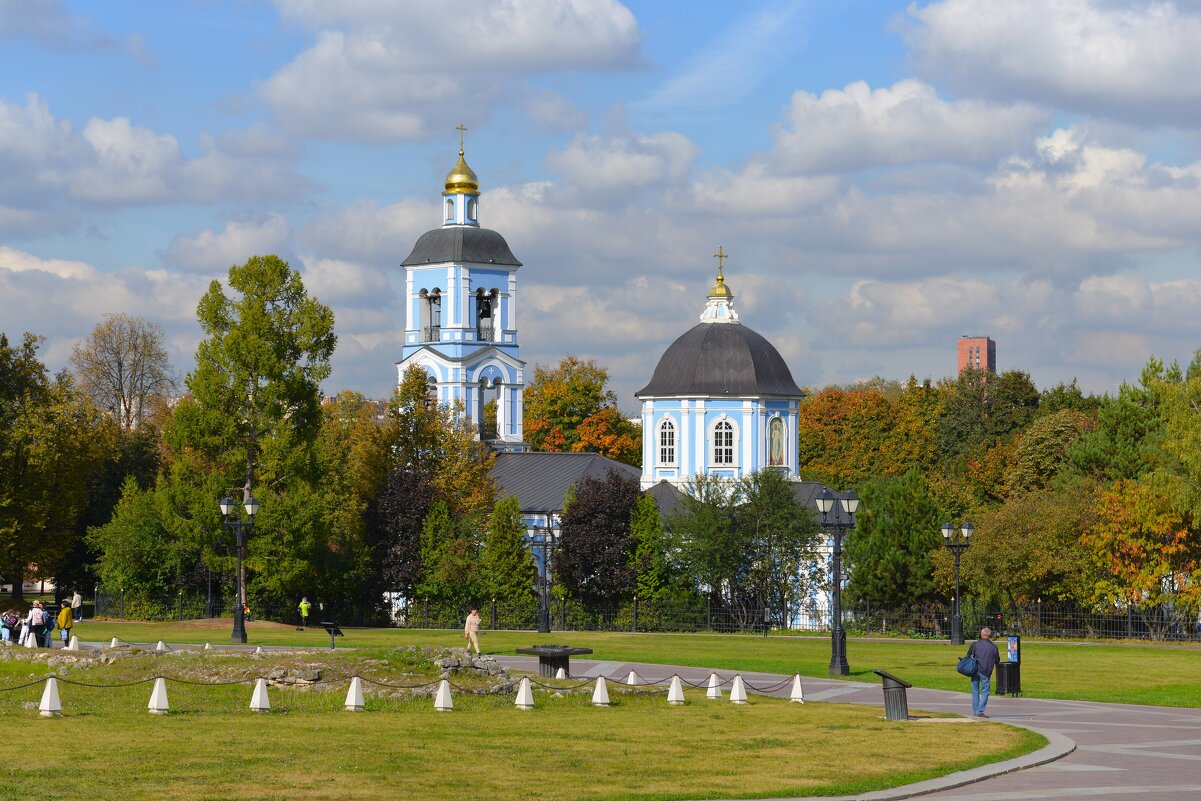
[(957, 546), (239, 527), (827, 502)]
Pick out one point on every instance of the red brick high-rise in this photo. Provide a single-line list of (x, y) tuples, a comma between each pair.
[(977, 352)]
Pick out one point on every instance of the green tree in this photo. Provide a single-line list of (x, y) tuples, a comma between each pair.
[(744, 543), (1042, 452), (891, 550), (780, 537), (1029, 548), (137, 555), (252, 421), (1126, 443), (450, 557), (652, 572), (507, 570), (53, 442)]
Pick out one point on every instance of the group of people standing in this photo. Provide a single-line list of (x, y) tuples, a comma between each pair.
[(39, 622)]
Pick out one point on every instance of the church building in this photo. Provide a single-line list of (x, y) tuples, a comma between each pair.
[(461, 313), (721, 402)]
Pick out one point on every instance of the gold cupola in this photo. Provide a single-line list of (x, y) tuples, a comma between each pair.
[(720, 290), (461, 179)]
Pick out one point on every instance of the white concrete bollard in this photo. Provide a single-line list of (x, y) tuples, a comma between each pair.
[(161, 648), (443, 701), (354, 695), (560, 673), (600, 696), (675, 695), (525, 696), (208, 646), (114, 643), (738, 691), (73, 645), (259, 701), (633, 678), (714, 691), (798, 695), (158, 698), (50, 705)]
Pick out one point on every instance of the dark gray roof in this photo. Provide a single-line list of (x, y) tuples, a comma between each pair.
[(721, 359), (461, 243), (667, 498), (540, 480)]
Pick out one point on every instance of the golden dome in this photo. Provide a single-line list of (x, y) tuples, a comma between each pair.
[(720, 290), (461, 178)]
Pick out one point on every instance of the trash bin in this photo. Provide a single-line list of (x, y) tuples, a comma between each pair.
[(1009, 678), (896, 704)]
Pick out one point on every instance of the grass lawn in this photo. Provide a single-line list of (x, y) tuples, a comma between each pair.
[(212, 746), (1131, 674)]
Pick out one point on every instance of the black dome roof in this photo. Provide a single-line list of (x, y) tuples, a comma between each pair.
[(721, 359), (461, 243)]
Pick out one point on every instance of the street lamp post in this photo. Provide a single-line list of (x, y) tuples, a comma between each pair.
[(240, 527), (546, 540), (957, 545), (838, 503)]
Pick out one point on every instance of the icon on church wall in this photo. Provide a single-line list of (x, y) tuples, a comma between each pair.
[(775, 437)]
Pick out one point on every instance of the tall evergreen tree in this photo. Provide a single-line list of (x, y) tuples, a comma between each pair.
[(507, 570), (890, 551)]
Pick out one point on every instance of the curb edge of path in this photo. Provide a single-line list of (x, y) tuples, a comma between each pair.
[(1058, 746)]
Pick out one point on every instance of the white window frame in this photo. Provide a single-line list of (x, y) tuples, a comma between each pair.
[(667, 426), (450, 210), (721, 423)]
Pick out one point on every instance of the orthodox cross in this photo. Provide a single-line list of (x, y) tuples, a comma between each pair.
[(460, 129), (721, 256)]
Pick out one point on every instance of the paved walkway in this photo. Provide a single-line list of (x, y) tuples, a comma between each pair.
[(1103, 752)]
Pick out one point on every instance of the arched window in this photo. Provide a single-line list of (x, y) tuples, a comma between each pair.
[(450, 210), (471, 210), (723, 443), (667, 442)]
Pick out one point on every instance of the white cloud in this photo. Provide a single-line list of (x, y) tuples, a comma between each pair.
[(346, 284), (392, 71), (210, 252), (52, 170), (860, 128), (551, 111), (605, 164), (1126, 60)]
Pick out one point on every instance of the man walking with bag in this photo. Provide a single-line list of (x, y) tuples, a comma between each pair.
[(984, 650)]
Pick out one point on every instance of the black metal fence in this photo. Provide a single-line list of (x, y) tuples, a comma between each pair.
[(1052, 621)]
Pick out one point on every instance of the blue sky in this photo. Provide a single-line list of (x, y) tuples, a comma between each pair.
[(887, 176)]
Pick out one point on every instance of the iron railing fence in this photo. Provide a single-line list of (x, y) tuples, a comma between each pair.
[(933, 621)]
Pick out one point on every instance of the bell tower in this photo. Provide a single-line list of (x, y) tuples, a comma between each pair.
[(461, 313)]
